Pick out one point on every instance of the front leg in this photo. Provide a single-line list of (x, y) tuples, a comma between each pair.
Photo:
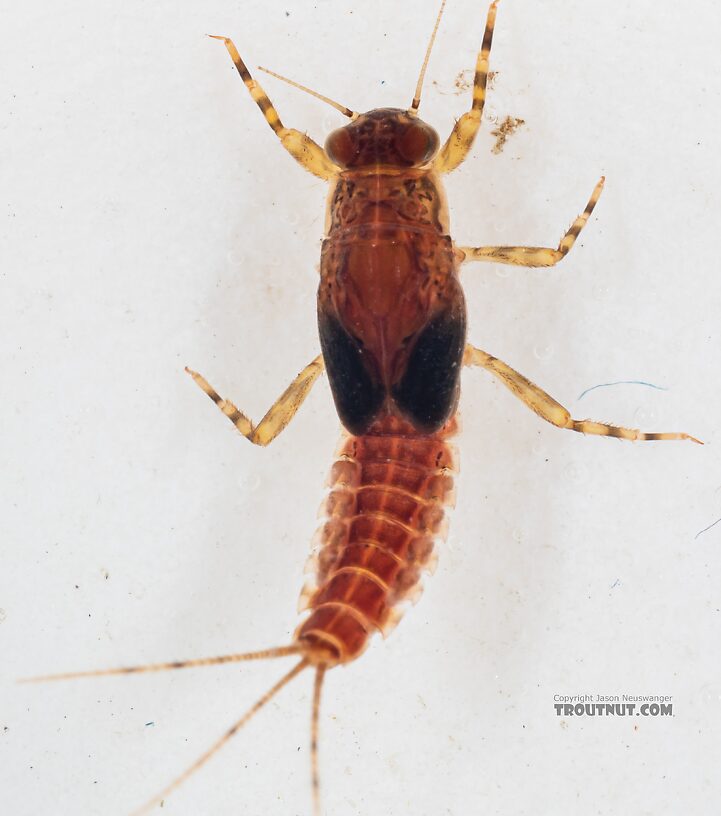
[(459, 143), (535, 256), (301, 147), (278, 415)]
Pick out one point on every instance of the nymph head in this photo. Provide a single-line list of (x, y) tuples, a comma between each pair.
[(384, 136)]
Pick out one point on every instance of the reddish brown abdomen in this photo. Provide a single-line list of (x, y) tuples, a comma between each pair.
[(385, 511)]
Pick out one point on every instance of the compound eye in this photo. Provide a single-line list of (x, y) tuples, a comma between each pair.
[(417, 143), (340, 147)]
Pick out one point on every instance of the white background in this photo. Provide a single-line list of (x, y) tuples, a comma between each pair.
[(151, 220)]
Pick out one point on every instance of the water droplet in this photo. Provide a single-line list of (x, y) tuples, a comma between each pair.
[(645, 418), (3, 615), (543, 351), (601, 292), (517, 535), (235, 257), (249, 483), (574, 472), (650, 296), (538, 449), (491, 115), (711, 693), (502, 271)]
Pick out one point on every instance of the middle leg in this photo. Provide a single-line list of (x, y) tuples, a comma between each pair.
[(535, 256)]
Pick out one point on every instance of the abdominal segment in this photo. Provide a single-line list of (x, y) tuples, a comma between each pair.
[(385, 513)]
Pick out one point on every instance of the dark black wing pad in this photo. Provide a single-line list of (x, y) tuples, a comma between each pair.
[(357, 394), (427, 393)]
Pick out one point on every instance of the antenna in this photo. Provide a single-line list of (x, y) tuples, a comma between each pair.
[(415, 104), (342, 108)]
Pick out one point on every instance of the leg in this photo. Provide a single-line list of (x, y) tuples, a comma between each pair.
[(301, 147), (278, 415), (535, 256), (459, 143), (547, 408)]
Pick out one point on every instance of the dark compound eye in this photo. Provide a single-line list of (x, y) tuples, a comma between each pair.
[(417, 143), (340, 147)]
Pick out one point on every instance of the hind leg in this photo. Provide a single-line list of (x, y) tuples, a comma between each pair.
[(547, 408), (280, 412)]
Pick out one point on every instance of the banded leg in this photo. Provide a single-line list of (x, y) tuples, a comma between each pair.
[(535, 256), (300, 146), (459, 143), (547, 408), (278, 415)]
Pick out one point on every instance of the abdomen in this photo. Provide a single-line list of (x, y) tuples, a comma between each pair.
[(385, 514)]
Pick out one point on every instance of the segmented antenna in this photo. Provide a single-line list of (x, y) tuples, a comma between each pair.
[(342, 108), (415, 104)]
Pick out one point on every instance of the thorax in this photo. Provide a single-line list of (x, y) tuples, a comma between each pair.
[(376, 202)]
